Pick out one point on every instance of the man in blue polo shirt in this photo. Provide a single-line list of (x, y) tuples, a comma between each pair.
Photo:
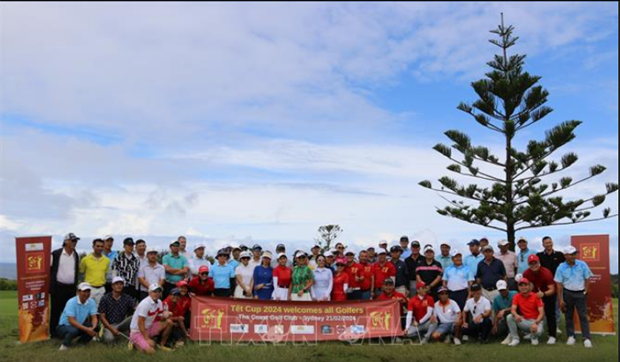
[(176, 267), (222, 273), (74, 321), (523, 254), (573, 281), (458, 279), (472, 260), (490, 270)]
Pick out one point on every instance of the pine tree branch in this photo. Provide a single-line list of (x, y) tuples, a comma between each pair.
[(565, 223), (465, 197), (491, 177), (558, 190)]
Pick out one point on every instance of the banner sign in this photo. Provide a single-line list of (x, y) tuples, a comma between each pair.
[(33, 281), (251, 320), (594, 250)]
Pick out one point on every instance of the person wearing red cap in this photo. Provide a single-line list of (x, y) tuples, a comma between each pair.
[(527, 314), (383, 270), (341, 281), (544, 287), (202, 285), (419, 312), (354, 270)]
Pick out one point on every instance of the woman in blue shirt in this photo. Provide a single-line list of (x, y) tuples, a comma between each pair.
[(263, 274), (222, 273)]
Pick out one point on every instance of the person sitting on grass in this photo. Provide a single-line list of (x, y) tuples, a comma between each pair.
[(115, 311), (446, 319), (174, 304), (74, 320), (144, 327), (527, 314)]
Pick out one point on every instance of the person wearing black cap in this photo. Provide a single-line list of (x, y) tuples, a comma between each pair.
[(257, 252), (404, 244), (472, 260), (126, 266), (281, 249), (401, 281), (108, 243), (176, 266), (223, 275), (412, 263), (489, 272), (63, 278), (477, 316)]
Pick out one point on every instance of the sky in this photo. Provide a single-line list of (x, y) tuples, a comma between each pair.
[(257, 123)]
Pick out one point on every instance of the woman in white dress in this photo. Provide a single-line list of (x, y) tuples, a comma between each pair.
[(245, 276), (323, 281)]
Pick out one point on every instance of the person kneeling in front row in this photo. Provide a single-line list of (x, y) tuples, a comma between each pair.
[(143, 325), (532, 312)]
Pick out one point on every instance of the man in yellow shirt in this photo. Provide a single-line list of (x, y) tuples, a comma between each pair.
[(93, 268)]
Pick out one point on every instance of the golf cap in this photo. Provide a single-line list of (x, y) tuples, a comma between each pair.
[(301, 254), (501, 285), (245, 254), (444, 243), (455, 252), (388, 281), (198, 246), (570, 250), (381, 251), (181, 283), (155, 287), (175, 291), (473, 242), (108, 237), (521, 238), (503, 242), (533, 258), (71, 236), (280, 246), (118, 279), (316, 246), (442, 290), (415, 244), (341, 261), (84, 286), (151, 250), (404, 238), (236, 248), (383, 242), (428, 248), (281, 255), (267, 255), (349, 252), (396, 248), (371, 248), (128, 241), (221, 252), (475, 287), (524, 281), (419, 285), (257, 247), (175, 243), (203, 269), (487, 248), (243, 247)]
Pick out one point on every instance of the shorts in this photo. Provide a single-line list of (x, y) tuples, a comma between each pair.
[(443, 328), (138, 339)]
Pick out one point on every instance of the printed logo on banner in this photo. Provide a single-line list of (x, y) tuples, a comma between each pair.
[(327, 329), (590, 252), (302, 329), (34, 262), (261, 328), (380, 319), (212, 318), (358, 329), (279, 329), (33, 247), (239, 328)]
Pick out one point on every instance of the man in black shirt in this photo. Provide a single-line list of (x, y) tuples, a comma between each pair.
[(429, 271), (402, 274), (412, 262), (115, 311), (549, 258)]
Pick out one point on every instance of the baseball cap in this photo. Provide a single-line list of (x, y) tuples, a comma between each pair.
[(341, 261), (128, 241), (71, 236), (518, 277), (315, 246), (175, 243), (415, 243), (154, 287), (280, 255), (203, 269), (108, 237), (221, 252), (521, 238), (280, 246), (181, 283), (475, 287), (445, 243), (257, 247), (487, 248), (381, 251), (118, 279), (349, 252), (300, 254), (84, 286), (175, 291), (371, 248), (455, 252), (524, 281), (388, 281), (404, 238), (428, 248), (570, 250), (503, 242), (383, 242), (442, 290), (198, 246), (473, 242), (243, 247), (419, 285), (245, 254), (151, 250), (267, 254), (396, 248), (236, 248), (501, 285), (533, 258)]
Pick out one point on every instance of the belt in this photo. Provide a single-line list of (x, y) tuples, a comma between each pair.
[(490, 289), (97, 287), (575, 291), (283, 286)]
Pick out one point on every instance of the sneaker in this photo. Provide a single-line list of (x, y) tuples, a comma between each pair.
[(165, 349), (179, 344), (424, 340), (587, 343), (457, 341), (447, 340), (465, 338), (527, 336), (514, 343), (63, 347), (506, 340), (130, 346), (570, 341), (534, 341), (551, 340), (558, 331)]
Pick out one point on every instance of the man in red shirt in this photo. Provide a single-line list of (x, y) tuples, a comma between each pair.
[(419, 312), (544, 287), (383, 270), (388, 293), (201, 284), (355, 271), (527, 314), (367, 276)]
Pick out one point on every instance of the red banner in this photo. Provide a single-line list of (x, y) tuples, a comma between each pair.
[(33, 279), (594, 250), (251, 320)]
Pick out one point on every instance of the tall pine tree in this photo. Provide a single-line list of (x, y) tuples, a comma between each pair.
[(518, 194)]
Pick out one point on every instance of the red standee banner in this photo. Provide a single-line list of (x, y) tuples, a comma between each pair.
[(251, 320), (594, 250), (33, 281)]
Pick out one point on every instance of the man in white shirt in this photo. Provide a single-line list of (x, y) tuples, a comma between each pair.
[(64, 276), (198, 260), (446, 319), (143, 325), (477, 315), (150, 272)]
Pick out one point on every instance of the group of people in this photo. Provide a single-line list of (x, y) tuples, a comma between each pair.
[(131, 295)]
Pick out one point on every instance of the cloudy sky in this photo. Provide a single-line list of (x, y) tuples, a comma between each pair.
[(260, 122)]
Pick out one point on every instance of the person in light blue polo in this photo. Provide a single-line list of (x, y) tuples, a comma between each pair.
[(523, 254), (472, 260), (222, 272), (74, 321), (573, 281), (458, 279)]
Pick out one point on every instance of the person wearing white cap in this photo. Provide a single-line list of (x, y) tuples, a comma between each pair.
[(144, 326), (282, 276), (573, 282), (115, 311), (150, 273), (244, 274), (509, 258), (198, 260), (316, 251), (502, 307), (263, 278), (65, 265), (458, 279), (75, 321), (430, 271), (302, 279), (323, 281)]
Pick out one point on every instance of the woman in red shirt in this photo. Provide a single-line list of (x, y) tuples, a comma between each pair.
[(341, 281), (282, 276)]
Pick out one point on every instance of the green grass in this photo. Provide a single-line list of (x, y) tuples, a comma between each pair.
[(606, 349)]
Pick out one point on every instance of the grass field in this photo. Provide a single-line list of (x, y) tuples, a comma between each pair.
[(606, 349)]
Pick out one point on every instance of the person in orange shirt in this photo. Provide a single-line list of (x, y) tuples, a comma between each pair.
[(175, 305), (419, 312), (341, 281), (383, 270)]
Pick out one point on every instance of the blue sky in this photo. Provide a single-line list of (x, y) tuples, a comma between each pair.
[(231, 122)]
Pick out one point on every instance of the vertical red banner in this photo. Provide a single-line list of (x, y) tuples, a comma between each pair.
[(33, 282), (594, 250)]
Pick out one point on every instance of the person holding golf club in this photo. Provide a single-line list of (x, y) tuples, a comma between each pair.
[(144, 326), (419, 312), (115, 311)]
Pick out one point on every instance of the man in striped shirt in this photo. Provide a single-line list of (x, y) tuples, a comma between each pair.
[(126, 266)]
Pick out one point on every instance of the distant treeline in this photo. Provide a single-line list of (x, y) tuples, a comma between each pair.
[(6, 284)]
